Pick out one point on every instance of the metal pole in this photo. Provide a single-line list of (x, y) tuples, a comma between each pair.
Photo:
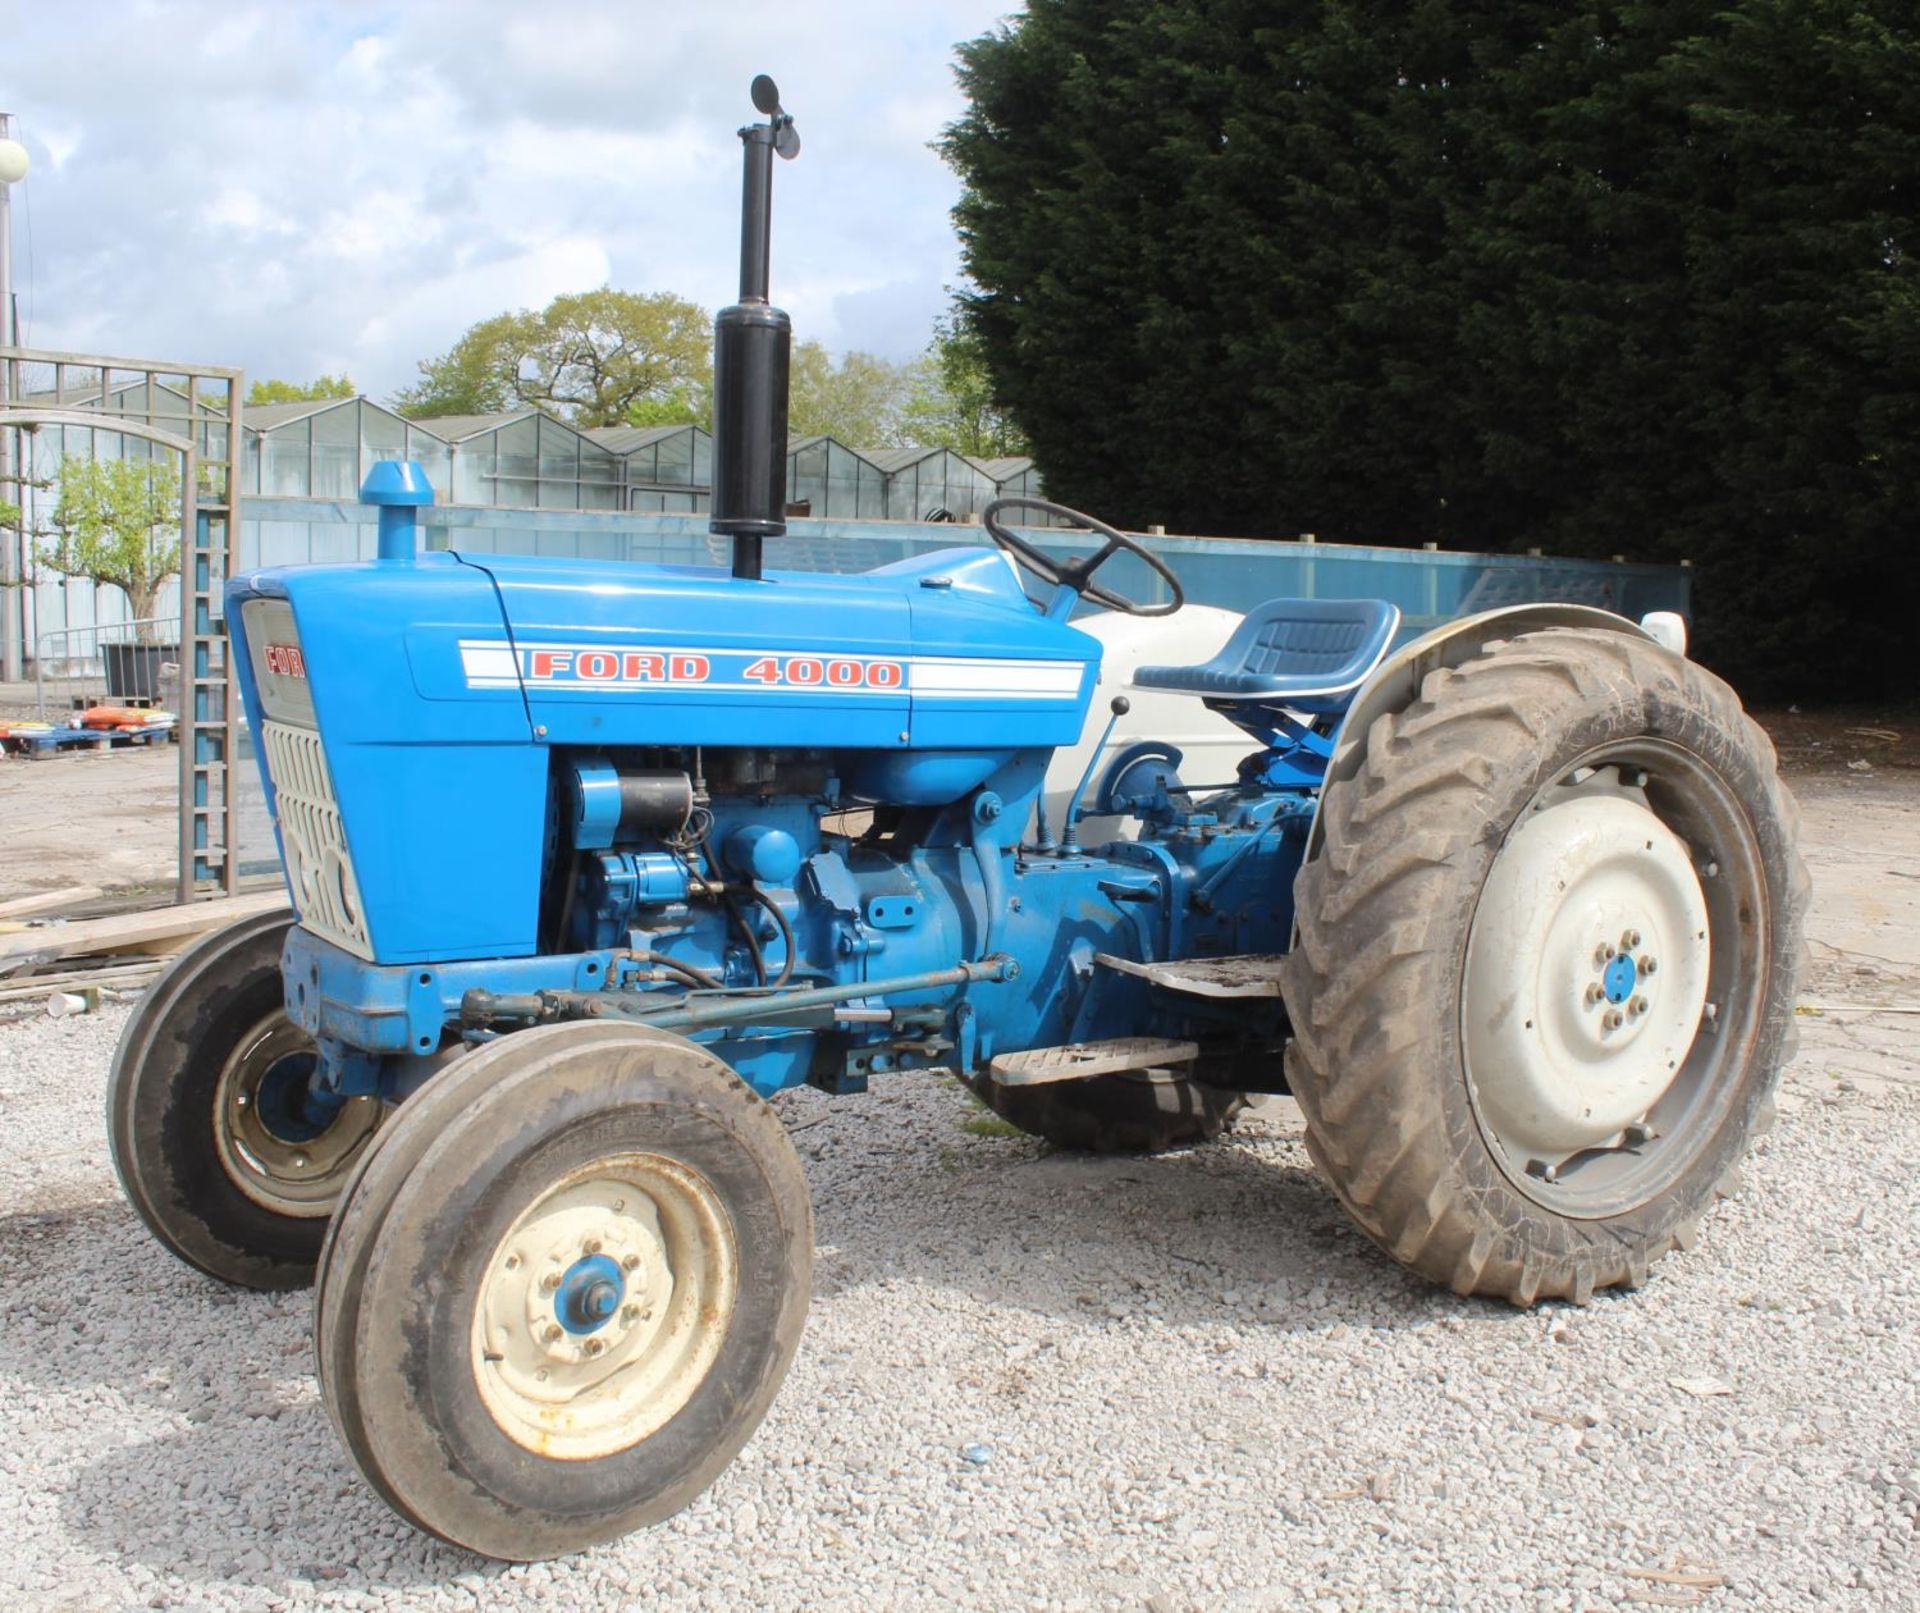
[(12, 599)]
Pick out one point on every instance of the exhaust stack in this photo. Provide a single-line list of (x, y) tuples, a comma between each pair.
[(752, 344)]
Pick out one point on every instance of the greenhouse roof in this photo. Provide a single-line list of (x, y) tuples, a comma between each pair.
[(893, 459), (626, 439), (265, 416), (459, 427)]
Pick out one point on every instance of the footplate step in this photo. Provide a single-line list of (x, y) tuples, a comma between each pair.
[(1078, 1060), (1247, 974)]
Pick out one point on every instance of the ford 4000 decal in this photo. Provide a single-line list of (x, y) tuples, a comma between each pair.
[(494, 664)]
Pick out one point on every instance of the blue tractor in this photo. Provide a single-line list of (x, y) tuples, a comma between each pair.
[(587, 861)]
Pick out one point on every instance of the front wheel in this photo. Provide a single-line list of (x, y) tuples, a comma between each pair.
[(218, 1140), (564, 1290), (1546, 964)]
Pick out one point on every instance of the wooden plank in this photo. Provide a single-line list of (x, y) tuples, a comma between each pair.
[(147, 931), (46, 901), (37, 988)]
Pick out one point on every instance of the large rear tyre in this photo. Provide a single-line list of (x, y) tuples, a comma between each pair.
[(1546, 965), (209, 1121), (565, 1289), (1132, 1112)]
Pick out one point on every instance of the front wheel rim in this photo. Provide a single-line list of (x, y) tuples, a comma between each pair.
[(604, 1307), (1595, 1080), (271, 1147)]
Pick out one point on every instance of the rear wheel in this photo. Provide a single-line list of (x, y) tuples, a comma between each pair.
[(565, 1290), (1545, 978), (212, 1127), (1132, 1112)]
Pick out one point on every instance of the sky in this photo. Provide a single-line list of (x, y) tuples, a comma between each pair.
[(302, 188)]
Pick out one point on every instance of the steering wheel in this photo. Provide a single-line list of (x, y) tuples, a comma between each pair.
[(1077, 574)]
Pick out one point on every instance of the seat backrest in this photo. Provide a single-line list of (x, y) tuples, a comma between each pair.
[(1301, 637)]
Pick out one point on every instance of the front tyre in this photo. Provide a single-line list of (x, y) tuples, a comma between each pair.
[(1545, 975), (564, 1291), (212, 1126)]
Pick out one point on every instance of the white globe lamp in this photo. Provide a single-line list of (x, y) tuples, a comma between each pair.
[(13, 162)]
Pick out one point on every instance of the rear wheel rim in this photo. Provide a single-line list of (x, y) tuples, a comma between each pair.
[(605, 1306), (1633, 1071), (270, 1144)]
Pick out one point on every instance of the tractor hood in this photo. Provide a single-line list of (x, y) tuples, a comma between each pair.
[(940, 651)]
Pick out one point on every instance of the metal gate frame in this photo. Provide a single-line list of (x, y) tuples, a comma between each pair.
[(209, 539)]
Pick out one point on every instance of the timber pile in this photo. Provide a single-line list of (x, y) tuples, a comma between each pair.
[(122, 951)]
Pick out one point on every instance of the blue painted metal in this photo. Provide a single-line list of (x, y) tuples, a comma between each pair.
[(589, 1294), (478, 716), (1619, 977), (400, 488), (593, 794), (763, 852), (283, 1100)]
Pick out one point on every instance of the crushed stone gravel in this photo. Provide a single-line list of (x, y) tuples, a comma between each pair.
[(1043, 1381)]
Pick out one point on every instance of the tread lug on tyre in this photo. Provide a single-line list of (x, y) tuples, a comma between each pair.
[(208, 1121), (564, 1290), (1549, 944)]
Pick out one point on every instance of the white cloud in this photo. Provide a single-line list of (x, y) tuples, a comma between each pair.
[(291, 187)]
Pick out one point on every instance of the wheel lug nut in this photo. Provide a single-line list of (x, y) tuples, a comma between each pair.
[(591, 1246), (1614, 1020), (1601, 955), (595, 1346), (629, 1315), (631, 1263), (1594, 994), (1629, 941), (550, 1282), (1639, 1005), (1648, 965), (553, 1333)]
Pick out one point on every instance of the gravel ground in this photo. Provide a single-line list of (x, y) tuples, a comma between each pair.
[(1195, 1387)]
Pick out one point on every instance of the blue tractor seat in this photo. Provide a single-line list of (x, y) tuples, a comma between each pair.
[(1302, 655)]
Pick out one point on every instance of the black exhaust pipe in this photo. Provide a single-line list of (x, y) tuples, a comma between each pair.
[(752, 348)]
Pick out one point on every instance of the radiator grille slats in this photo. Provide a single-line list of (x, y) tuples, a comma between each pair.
[(314, 838)]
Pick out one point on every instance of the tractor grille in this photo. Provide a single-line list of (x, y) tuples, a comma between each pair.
[(313, 838)]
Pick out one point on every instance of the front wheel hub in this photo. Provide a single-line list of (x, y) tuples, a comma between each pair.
[(1570, 1036), (604, 1306)]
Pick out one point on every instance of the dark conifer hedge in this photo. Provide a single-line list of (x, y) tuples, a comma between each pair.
[(1632, 279)]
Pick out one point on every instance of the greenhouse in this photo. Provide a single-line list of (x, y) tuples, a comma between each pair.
[(324, 448), (665, 469), (933, 484), (830, 481), (528, 460)]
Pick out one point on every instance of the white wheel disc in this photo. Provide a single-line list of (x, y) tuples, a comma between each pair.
[(604, 1307), (1586, 976)]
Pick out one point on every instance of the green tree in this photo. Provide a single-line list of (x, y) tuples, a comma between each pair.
[(325, 386), (858, 400), (117, 521), (950, 399), (593, 357), (1624, 278)]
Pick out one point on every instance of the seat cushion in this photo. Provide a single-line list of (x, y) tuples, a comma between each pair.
[(1288, 650)]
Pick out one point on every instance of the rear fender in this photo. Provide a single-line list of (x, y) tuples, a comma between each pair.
[(1396, 681)]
